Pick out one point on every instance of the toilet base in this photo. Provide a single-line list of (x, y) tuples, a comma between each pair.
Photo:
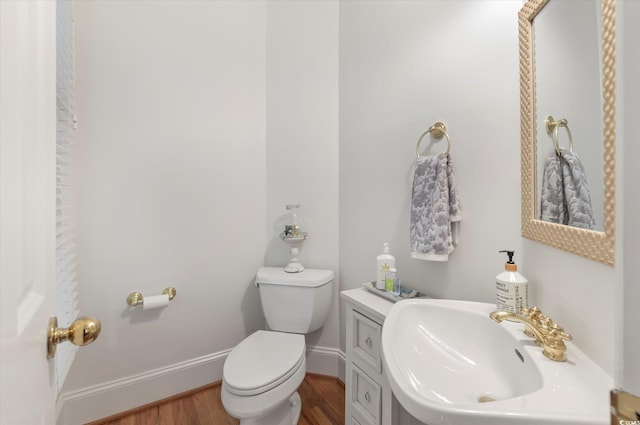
[(286, 414)]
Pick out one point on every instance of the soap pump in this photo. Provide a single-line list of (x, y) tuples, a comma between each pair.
[(512, 290), (385, 262)]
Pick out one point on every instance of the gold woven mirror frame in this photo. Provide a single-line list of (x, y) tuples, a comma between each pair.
[(598, 246)]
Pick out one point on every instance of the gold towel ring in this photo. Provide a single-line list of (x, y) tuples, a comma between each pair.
[(437, 131), (552, 126)]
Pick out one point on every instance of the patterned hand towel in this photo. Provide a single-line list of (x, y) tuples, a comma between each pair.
[(565, 193), (435, 209)]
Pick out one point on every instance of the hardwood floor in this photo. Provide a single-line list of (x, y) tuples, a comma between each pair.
[(322, 404)]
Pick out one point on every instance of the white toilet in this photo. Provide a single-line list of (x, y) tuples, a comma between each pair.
[(262, 374)]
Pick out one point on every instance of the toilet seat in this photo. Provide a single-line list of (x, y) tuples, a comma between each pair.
[(257, 409), (262, 361)]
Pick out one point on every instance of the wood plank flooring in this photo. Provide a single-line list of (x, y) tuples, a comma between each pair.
[(322, 404)]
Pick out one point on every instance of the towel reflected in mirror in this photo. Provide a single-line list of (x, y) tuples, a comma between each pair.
[(565, 195)]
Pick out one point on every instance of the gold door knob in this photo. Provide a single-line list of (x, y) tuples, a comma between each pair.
[(82, 331)]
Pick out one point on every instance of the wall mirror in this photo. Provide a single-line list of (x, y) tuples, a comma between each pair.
[(567, 101)]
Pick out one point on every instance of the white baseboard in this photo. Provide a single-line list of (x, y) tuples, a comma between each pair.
[(104, 400), (326, 361)]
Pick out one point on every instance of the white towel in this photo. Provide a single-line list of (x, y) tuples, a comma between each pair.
[(435, 209), (565, 193)]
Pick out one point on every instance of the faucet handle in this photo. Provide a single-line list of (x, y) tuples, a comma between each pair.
[(556, 332), (532, 312), (541, 321), (545, 320), (554, 346), (537, 316)]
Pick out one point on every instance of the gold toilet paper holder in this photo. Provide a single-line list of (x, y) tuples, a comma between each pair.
[(136, 298)]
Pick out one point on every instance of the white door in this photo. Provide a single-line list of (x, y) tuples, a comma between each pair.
[(27, 209)]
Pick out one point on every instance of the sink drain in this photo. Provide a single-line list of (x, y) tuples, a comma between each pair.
[(485, 399)]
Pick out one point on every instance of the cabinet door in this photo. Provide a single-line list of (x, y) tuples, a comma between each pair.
[(366, 341), (353, 421), (366, 395)]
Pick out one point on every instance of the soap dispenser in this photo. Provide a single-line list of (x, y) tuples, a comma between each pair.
[(512, 289), (385, 262)]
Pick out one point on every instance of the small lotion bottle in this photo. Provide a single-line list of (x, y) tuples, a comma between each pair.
[(390, 279), (512, 289), (393, 282), (385, 262)]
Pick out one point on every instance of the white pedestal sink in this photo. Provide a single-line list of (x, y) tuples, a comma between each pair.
[(449, 363)]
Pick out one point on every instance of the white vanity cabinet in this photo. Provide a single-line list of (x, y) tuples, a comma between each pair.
[(368, 400)]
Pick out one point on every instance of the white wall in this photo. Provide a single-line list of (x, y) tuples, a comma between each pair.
[(182, 106), (630, 373), (403, 66), (172, 192), (302, 136)]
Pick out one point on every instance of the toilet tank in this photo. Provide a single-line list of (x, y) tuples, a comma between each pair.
[(295, 302)]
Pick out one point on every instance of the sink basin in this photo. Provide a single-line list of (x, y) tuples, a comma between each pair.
[(448, 363)]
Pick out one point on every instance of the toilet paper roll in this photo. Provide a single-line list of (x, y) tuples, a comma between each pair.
[(155, 301)]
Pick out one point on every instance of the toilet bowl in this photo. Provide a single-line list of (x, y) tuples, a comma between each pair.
[(262, 373), (261, 377)]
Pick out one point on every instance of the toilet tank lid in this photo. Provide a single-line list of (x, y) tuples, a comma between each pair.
[(309, 277)]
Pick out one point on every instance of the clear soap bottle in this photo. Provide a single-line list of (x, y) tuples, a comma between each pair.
[(392, 283)]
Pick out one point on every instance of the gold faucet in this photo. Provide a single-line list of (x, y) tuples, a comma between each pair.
[(550, 336)]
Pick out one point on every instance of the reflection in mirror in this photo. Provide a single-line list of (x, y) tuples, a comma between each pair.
[(568, 71), (574, 88)]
